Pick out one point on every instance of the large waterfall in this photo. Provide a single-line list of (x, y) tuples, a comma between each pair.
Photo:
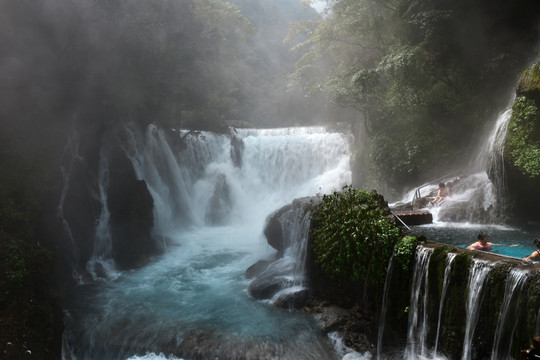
[(212, 194)]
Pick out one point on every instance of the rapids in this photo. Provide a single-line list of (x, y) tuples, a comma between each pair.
[(211, 201)]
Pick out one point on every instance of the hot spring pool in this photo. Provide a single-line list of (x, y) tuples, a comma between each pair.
[(462, 235)]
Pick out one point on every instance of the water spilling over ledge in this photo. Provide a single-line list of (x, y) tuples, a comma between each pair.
[(465, 304), (211, 194)]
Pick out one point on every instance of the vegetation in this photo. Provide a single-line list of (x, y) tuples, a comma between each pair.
[(522, 142), (404, 252), (423, 76), (353, 236)]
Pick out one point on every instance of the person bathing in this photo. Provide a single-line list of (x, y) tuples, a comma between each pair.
[(442, 194), (483, 244), (535, 255)]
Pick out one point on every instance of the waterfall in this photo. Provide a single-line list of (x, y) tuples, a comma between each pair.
[(382, 317), (418, 326), (199, 182), (212, 194), (509, 309), (101, 264), (70, 156), (478, 275), (446, 281), (477, 192)]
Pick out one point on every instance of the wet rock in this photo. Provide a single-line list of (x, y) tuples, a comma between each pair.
[(259, 267), (266, 287), (131, 215), (237, 148), (293, 299)]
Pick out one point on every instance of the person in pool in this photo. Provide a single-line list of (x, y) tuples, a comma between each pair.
[(536, 253), (483, 245)]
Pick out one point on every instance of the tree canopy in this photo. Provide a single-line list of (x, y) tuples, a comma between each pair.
[(424, 76)]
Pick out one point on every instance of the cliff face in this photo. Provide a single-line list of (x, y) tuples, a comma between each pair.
[(522, 148)]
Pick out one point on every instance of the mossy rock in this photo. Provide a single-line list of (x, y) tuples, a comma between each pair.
[(522, 149), (529, 84)]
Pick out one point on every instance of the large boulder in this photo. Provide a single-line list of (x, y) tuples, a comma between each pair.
[(286, 231), (522, 149), (131, 214)]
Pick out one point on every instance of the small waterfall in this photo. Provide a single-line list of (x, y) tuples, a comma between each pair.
[(382, 317), (71, 152), (418, 325), (291, 267), (490, 155), (446, 281), (478, 275), (101, 263), (477, 194), (504, 332)]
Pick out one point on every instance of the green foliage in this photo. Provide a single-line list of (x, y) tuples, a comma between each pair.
[(523, 138), (421, 74), (404, 251), (353, 235)]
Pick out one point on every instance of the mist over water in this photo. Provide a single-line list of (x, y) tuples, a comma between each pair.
[(192, 301)]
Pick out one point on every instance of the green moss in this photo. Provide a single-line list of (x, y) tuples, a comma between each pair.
[(523, 138), (533, 303), (530, 81), (353, 236), (404, 251), (498, 288)]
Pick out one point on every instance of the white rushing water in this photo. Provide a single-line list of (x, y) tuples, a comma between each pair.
[(508, 318), (446, 281), (417, 328), (478, 275), (211, 207), (472, 191)]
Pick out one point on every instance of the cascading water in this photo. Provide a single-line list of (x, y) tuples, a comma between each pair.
[(211, 206), (509, 309), (446, 280), (382, 317), (101, 261), (477, 191), (416, 337), (71, 155)]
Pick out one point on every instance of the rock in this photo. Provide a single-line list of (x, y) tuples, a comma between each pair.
[(278, 223), (529, 84), (237, 148), (521, 160), (257, 268), (131, 215), (292, 299), (273, 230), (263, 289), (330, 317)]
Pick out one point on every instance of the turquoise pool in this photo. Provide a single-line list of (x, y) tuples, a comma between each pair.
[(462, 235)]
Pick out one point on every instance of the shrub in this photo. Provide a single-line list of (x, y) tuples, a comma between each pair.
[(353, 235), (404, 251)]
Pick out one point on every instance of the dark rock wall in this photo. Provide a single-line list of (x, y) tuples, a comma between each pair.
[(131, 214)]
